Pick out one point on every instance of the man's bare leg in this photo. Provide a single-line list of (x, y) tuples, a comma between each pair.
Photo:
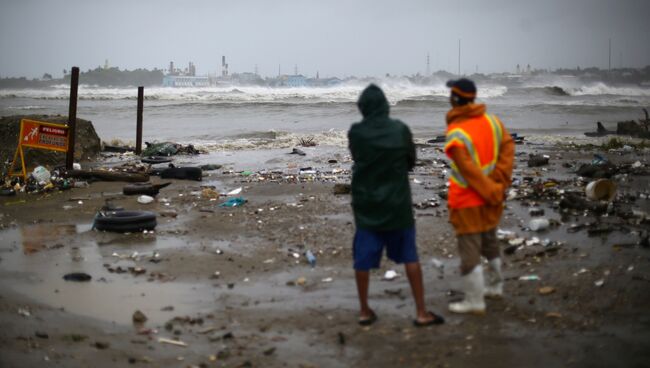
[(363, 280), (414, 274)]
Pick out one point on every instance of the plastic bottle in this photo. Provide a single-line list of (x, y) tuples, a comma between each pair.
[(311, 258), (41, 174), (539, 224)]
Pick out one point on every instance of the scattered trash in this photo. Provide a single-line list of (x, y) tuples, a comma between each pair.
[(24, 312), (529, 278), (301, 281), (145, 199), (340, 189), (297, 151), (546, 290), (77, 276), (327, 280), (143, 188), (390, 275), (234, 192), (210, 167), (539, 224), (183, 173), (437, 263), (163, 340), (536, 212), (599, 283), (41, 175), (101, 345), (209, 193), (601, 190), (538, 160), (233, 202), (311, 258), (139, 317)]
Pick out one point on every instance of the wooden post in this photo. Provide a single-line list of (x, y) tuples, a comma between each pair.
[(138, 134), (72, 118)]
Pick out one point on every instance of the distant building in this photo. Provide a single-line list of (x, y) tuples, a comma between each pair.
[(185, 81), (295, 81)]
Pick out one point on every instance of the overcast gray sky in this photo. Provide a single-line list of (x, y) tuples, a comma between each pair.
[(336, 37)]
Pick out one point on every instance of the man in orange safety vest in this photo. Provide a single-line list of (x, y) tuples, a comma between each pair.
[(482, 152)]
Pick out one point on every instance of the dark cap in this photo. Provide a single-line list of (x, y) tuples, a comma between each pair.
[(463, 87)]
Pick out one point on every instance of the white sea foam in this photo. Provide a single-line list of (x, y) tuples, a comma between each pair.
[(396, 90), (603, 89), (335, 138)]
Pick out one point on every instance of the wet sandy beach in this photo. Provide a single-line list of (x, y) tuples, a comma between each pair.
[(233, 284)]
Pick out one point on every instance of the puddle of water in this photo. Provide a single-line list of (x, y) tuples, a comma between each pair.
[(31, 267)]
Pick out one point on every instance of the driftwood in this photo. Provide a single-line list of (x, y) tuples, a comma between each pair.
[(104, 175)]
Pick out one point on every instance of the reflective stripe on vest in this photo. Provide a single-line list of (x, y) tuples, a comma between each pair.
[(460, 135)]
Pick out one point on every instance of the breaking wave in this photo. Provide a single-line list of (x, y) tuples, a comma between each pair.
[(346, 92), (272, 140)]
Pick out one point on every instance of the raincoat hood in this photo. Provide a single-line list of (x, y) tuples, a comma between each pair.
[(373, 102)]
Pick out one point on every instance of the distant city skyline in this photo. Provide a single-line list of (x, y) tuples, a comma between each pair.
[(333, 38)]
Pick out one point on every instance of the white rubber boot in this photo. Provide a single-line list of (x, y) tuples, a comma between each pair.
[(474, 290), (494, 287)]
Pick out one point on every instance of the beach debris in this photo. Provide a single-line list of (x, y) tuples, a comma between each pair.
[(24, 312), (307, 171), (546, 290), (233, 202), (311, 258), (168, 149), (234, 192), (307, 142), (143, 188), (41, 335), (599, 283), (429, 203), (390, 275), (538, 160), (600, 131), (106, 175), (183, 173), (553, 315), (602, 189), (327, 280), (437, 263), (163, 340), (41, 174), (529, 278), (210, 167), (77, 276), (145, 199), (153, 160), (301, 281), (209, 193), (297, 151), (539, 224), (139, 317), (341, 188), (536, 212), (101, 345)]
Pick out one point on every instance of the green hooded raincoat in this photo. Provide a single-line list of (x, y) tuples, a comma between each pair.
[(383, 152)]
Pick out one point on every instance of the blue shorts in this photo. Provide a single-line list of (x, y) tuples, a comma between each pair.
[(368, 247)]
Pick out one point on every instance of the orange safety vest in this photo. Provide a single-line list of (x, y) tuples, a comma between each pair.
[(481, 136)]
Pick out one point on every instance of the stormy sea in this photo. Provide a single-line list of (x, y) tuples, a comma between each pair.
[(235, 118)]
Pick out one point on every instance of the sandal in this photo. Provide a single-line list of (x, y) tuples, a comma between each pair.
[(368, 321), (437, 320)]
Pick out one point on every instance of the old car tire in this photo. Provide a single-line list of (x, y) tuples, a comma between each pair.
[(125, 221)]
